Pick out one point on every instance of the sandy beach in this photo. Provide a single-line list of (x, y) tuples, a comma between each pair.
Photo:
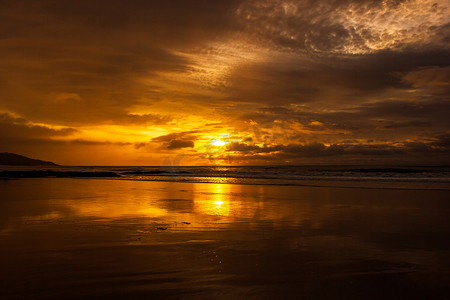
[(103, 239), (245, 149)]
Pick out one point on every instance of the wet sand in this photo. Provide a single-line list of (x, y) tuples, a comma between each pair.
[(104, 239)]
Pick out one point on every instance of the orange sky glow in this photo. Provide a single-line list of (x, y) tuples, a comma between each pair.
[(242, 82)]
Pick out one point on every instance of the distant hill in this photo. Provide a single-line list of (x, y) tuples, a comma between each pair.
[(19, 160)]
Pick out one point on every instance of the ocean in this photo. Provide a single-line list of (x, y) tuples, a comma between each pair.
[(409, 177), (307, 232)]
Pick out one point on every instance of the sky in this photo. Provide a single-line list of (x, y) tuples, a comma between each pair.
[(236, 82)]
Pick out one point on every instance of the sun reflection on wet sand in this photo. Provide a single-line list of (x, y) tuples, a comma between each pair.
[(143, 239), (216, 201)]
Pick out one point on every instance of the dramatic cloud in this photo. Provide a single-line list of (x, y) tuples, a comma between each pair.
[(348, 27), (178, 144), (18, 128), (277, 81), (177, 140)]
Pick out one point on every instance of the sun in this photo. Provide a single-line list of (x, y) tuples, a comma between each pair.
[(218, 143)]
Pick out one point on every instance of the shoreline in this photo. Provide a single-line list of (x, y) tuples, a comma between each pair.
[(95, 238), (363, 183)]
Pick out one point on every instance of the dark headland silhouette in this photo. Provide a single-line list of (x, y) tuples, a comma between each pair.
[(13, 159)]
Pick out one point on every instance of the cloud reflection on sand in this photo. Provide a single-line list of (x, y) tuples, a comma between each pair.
[(204, 205), (156, 239)]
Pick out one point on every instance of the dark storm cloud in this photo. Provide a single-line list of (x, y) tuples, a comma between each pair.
[(109, 53), (173, 21), (178, 144), (176, 140), (17, 134), (442, 142), (386, 114), (316, 150), (93, 142), (409, 124), (18, 143), (397, 117), (384, 69), (343, 26), (343, 50), (174, 136), (18, 128), (296, 76), (437, 146), (241, 147), (437, 110), (103, 82), (102, 52), (164, 22), (340, 79)]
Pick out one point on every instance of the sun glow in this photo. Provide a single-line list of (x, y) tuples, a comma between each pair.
[(218, 143)]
